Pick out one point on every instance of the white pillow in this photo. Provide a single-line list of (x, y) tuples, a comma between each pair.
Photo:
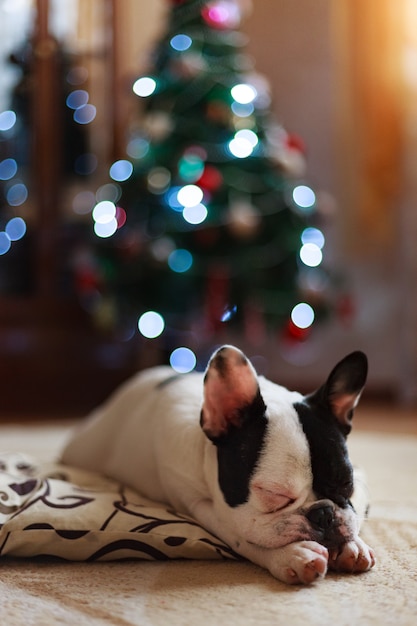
[(58, 511)]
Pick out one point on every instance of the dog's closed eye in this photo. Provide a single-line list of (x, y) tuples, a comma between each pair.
[(274, 499)]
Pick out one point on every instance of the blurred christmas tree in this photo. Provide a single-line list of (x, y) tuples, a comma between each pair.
[(207, 224)]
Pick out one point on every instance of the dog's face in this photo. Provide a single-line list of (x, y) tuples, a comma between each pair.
[(283, 466)]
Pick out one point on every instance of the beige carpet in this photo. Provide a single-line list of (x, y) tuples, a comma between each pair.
[(209, 593)]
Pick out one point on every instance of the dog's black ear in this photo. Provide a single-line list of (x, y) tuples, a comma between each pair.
[(230, 385), (344, 386)]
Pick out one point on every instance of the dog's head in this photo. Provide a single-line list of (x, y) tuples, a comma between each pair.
[(283, 464)]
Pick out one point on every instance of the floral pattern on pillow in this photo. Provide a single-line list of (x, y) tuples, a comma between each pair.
[(53, 510)]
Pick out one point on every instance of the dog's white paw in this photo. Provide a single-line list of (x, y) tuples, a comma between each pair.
[(355, 556), (304, 562)]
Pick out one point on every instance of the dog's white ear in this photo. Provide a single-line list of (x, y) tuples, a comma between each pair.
[(230, 385), (344, 386)]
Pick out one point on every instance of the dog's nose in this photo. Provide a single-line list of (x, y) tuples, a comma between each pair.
[(321, 516)]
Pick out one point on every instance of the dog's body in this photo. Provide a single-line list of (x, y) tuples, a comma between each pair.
[(264, 469)]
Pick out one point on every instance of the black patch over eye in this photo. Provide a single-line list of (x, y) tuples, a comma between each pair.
[(330, 464), (238, 452)]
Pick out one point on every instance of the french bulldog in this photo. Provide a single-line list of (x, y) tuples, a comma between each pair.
[(263, 468)]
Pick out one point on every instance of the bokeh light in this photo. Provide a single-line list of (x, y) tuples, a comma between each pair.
[(108, 191), (85, 114), (8, 169), (180, 260), (190, 195), (195, 214), (17, 194), (311, 255), (15, 228), (181, 42), (171, 198), (159, 179), (77, 98), (7, 120), (304, 196), (137, 148), (240, 147), (83, 202), (183, 360), (242, 110), (5, 243), (107, 229), (190, 167), (144, 86), (121, 170), (313, 235), (248, 135), (302, 315), (243, 93), (151, 324), (104, 212)]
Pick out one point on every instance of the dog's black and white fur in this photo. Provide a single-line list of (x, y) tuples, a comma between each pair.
[(263, 468)]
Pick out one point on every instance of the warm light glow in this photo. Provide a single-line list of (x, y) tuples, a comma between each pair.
[(159, 179)]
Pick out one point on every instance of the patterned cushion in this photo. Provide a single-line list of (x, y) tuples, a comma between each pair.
[(58, 511)]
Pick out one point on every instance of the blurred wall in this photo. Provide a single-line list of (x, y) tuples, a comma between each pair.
[(338, 78)]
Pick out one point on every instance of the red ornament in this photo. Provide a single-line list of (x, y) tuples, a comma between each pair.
[(86, 280), (120, 216), (294, 142), (211, 179), (295, 333), (221, 14)]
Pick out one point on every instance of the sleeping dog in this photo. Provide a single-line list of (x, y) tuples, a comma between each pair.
[(263, 468)]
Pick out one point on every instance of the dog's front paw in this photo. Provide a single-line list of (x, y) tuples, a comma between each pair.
[(354, 556), (304, 562)]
